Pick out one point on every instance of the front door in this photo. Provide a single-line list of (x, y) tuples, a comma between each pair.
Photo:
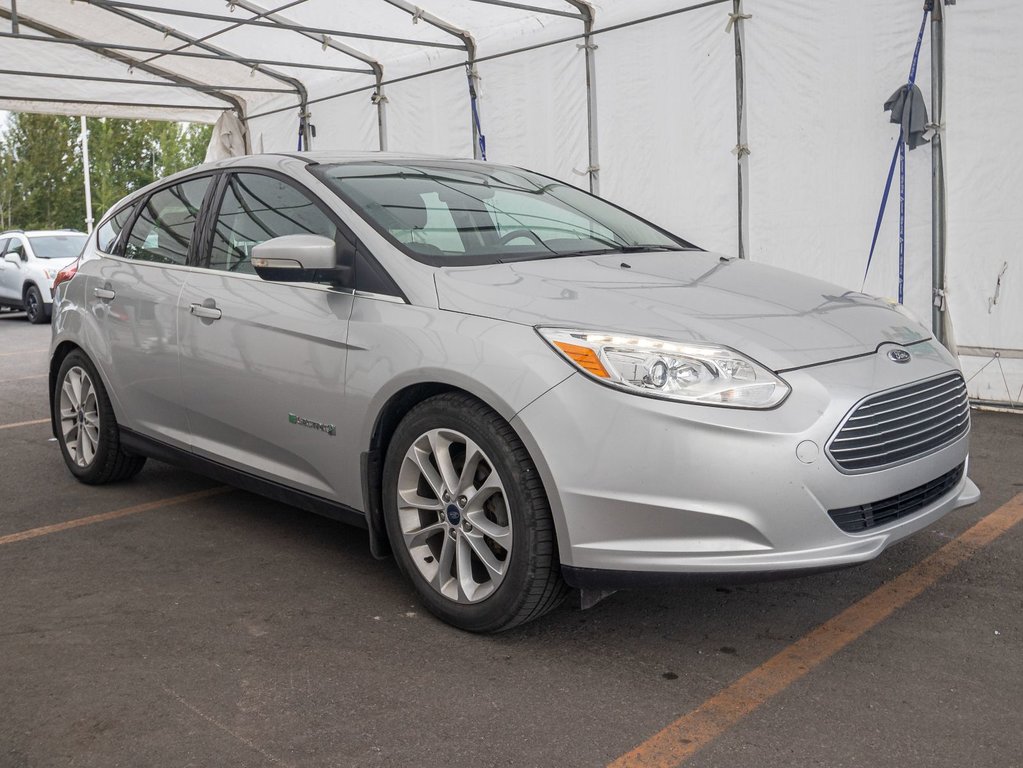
[(263, 363)]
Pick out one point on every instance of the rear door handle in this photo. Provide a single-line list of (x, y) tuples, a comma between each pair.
[(209, 313), (103, 293)]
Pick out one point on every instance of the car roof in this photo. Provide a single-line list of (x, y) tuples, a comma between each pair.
[(41, 232)]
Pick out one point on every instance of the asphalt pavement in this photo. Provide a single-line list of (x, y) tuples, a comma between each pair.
[(223, 629)]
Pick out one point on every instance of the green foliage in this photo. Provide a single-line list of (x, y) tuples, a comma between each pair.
[(41, 177)]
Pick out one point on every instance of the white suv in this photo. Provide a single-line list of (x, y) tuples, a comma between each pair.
[(29, 261)]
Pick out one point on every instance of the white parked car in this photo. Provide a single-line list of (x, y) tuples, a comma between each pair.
[(29, 261)]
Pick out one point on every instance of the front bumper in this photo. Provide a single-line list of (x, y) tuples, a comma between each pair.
[(644, 489)]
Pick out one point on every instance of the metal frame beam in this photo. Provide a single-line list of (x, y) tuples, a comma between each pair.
[(534, 8), (60, 34), (101, 102), (204, 88), (248, 62), (286, 26)]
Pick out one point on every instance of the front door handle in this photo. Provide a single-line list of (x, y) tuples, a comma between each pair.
[(103, 293), (207, 313)]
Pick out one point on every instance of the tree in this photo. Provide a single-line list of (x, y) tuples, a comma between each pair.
[(41, 177)]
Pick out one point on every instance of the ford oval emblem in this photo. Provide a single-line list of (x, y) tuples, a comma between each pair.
[(899, 356)]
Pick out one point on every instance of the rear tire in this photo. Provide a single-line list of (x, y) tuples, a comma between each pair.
[(35, 310), (467, 517), (86, 428)]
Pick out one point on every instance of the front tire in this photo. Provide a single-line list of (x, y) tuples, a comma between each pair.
[(35, 310), (467, 517), (86, 428)]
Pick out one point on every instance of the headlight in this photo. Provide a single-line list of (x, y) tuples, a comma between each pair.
[(694, 373), (51, 274)]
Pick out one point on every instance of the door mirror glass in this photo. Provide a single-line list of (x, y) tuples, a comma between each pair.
[(299, 259)]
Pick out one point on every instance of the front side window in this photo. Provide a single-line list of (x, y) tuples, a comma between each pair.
[(58, 246), (163, 230), (257, 208), (16, 247), (458, 213), (106, 235)]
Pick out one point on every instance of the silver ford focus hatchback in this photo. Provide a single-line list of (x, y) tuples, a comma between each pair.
[(519, 389)]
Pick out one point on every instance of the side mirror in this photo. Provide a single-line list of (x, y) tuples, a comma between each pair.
[(13, 259), (300, 259)]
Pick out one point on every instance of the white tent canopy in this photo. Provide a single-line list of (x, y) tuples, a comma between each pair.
[(636, 99)]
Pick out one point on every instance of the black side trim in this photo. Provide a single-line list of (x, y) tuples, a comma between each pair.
[(147, 446), (592, 578), (379, 545)]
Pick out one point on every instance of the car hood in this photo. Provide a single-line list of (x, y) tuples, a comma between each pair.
[(779, 318)]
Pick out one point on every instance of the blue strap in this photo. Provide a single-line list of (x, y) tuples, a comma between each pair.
[(900, 155), (476, 114)]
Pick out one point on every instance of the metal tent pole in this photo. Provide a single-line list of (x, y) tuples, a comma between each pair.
[(593, 169), (938, 224), (88, 185), (741, 150)]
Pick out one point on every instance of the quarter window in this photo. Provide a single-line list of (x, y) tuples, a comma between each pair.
[(163, 230), (257, 208), (106, 237)]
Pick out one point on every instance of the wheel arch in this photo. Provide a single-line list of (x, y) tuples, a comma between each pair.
[(63, 349), (386, 421)]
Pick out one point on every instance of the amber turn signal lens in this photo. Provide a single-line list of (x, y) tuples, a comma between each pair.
[(585, 358)]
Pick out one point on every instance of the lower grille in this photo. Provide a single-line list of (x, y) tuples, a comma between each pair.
[(876, 513)]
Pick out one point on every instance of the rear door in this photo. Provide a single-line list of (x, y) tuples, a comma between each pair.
[(134, 297), (263, 363)]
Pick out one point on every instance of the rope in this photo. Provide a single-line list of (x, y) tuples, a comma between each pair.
[(900, 156)]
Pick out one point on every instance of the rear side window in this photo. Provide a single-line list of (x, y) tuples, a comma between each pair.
[(257, 208), (163, 230), (109, 230)]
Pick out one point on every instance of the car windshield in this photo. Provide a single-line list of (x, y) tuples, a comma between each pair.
[(450, 214), (58, 246)]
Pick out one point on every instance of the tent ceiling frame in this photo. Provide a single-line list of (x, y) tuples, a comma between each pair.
[(104, 102), (219, 32), (299, 87), (376, 67), (533, 8), (468, 44), (203, 88), (248, 62), (285, 26), (129, 61)]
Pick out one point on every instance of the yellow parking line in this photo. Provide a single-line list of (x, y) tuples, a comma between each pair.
[(24, 423), (683, 738), (148, 506)]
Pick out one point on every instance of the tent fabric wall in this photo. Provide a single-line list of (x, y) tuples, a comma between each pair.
[(985, 182), (816, 77)]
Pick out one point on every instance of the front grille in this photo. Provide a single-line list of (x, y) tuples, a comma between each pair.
[(864, 516), (902, 424)]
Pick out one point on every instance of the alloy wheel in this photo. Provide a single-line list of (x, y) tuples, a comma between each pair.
[(79, 416), (453, 514)]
